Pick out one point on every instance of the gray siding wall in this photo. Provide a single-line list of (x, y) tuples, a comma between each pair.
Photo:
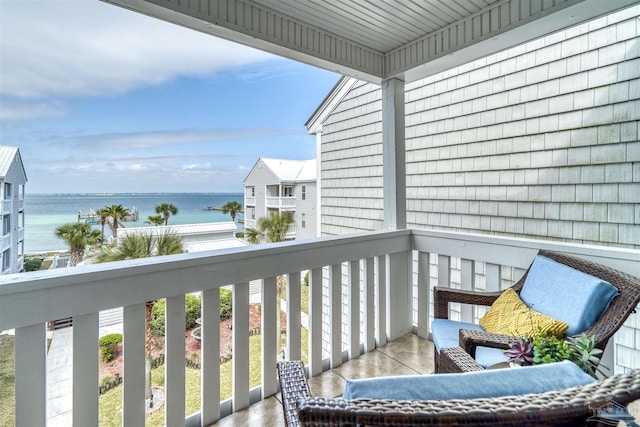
[(351, 170), (15, 177), (539, 141)]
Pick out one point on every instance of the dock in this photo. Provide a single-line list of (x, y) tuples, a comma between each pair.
[(92, 217)]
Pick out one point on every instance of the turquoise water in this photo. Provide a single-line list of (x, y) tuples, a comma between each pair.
[(45, 212)]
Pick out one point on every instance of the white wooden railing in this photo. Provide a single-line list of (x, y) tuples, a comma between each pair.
[(281, 202), (394, 271)]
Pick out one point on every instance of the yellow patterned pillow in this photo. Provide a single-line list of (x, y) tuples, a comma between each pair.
[(510, 316)]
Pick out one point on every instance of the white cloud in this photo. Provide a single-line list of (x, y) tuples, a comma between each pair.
[(14, 109), (79, 48)]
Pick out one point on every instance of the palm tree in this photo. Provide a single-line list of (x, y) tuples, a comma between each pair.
[(232, 208), (77, 236), (103, 220), (166, 209), (144, 246), (115, 214), (155, 220), (270, 229)]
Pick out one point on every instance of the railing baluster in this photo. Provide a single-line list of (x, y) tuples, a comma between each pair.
[(293, 316), (369, 306), (210, 357), (30, 366), (174, 361), (354, 309), (444, 274), (467, 281), (270, 327), (133, 375), (424, 294), (315, 322), (85, 370), (241, 346), (399, 319), (493, 277), (335, 307), (381, 324)]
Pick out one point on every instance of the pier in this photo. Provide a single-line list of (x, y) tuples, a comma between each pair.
[(92, 217)]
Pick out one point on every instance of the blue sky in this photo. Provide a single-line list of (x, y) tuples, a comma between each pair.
[(101, 99)]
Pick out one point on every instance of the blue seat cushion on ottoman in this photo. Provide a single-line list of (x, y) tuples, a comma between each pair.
[(445, 333), (470, 385), (561, 292)]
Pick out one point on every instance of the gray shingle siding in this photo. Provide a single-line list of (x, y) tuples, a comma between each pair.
[(539, 141)]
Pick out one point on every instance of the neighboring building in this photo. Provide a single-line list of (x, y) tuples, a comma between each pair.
[(195, 237), (13, 179), (539, 141), (278, 185)]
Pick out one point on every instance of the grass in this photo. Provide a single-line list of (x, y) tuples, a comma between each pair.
[(110, 404), (7, 365)]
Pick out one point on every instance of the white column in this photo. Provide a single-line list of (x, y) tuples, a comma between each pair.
[(393, 155), (319, 183)]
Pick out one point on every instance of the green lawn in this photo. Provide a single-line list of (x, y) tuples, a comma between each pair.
[(7, 398), (110, 404)]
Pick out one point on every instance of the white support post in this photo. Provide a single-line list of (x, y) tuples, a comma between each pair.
[(241, 345), (30, 373), (210, 357), (133, 375), (399, 313), (293, 316), (335, 306), (269, 335), (315, 322), (354, 309), (381, 294), (85, 361), (174, 365), (393, 155), (369, 306), (424, 295)]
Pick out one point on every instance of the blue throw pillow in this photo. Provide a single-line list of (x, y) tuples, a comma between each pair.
[(470, 385), (572, 296)]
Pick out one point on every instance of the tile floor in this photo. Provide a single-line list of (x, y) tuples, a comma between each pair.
[(405, 356)]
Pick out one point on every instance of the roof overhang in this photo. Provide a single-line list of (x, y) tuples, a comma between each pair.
[(375, 40)]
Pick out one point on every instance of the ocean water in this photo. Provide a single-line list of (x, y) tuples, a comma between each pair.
[(45, 212)]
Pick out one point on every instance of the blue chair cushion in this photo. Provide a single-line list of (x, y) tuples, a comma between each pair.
[(445, 334), (470, 385), (569, 295)]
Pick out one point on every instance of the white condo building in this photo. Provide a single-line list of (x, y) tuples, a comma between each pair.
[(278, 185), (13, 178)]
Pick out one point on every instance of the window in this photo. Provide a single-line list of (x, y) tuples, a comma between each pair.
[(253, 191), (7, 190), (21, 219), (6, 225), (304, 192), (6, 259), (304, 220), (253, 213), (287, 191)]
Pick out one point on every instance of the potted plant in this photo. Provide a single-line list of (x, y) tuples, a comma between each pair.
[(548, 349)]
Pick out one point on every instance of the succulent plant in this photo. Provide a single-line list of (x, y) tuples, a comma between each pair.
[(520, 352)]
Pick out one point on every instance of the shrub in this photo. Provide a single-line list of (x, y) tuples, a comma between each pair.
[(109, 346), (32, 264), (192, 312), (225, 304), (306, 279)]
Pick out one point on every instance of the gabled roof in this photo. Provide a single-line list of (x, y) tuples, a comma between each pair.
[(289, 170), (212, 245), (292, 170), (7, 156), (329, 103)]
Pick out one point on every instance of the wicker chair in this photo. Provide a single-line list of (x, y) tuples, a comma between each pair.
[(612, 319), (570, 407)]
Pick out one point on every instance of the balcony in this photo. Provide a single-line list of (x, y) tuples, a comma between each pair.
[(287, 203), (392, 270)]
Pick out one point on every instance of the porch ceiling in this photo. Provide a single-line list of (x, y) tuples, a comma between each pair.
[(378, 39)]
